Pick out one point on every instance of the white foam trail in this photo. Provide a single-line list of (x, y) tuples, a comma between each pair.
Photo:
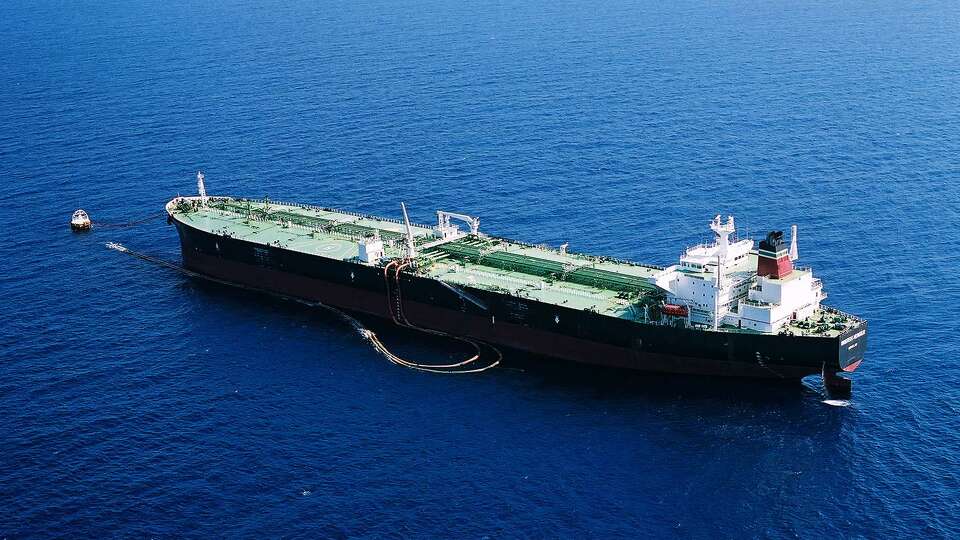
[(837, 402)]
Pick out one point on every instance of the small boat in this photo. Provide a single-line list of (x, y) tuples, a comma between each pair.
[(80, 221)]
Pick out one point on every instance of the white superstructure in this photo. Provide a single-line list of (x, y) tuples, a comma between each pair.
[(371, 249), (728, 283)]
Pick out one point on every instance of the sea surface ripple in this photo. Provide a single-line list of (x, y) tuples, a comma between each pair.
[(137, 403)]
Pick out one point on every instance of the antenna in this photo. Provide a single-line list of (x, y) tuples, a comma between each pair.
[(793, 243), (723, 230), (411, 252), (201, 189)]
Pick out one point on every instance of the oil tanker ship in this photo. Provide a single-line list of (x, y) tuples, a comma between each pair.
[(726, 308)]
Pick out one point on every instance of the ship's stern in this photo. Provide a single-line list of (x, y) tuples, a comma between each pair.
[(852, 347)]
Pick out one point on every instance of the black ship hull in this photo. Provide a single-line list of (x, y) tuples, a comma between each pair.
[(513, 322)]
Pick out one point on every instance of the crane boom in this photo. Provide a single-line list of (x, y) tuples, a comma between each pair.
[(443, 220)]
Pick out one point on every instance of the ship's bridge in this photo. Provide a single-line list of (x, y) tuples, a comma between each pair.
[(722, 252), (729, 284)]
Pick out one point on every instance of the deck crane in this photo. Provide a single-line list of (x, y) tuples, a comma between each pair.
[(443, 221)]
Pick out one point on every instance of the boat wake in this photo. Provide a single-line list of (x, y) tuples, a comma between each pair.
[(837, 402)]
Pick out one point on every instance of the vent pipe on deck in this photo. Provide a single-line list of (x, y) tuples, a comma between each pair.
[(201, 189), (793, 243), (411, 251)]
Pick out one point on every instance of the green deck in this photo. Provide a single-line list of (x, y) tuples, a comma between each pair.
[(307, 229), (603, 285), (498, 254)]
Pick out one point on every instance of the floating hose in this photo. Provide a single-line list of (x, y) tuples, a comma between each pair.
[(134, 223), (367, 334), (395, 306)]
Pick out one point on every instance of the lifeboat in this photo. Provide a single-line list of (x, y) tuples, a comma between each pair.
[(674, 309)]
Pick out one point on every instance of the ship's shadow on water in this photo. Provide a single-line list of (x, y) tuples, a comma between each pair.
[(544, 372)]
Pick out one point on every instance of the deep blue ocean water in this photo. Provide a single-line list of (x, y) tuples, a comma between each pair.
[(135, 402)]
